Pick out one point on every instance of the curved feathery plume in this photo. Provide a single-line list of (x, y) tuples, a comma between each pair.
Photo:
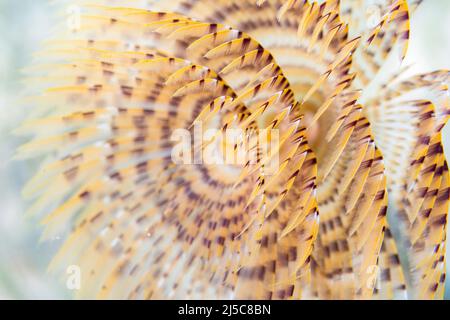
[(391, 282), (351, 185), (408, 119), (407, 114), (386, 32), (143, 226)]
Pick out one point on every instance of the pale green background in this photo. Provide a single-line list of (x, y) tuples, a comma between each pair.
[(23, 26)]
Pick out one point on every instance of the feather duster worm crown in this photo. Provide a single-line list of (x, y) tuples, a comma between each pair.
[(111, 92)]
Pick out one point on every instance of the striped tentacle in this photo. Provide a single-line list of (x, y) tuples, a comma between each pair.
[(390, 279), (384, 28)]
